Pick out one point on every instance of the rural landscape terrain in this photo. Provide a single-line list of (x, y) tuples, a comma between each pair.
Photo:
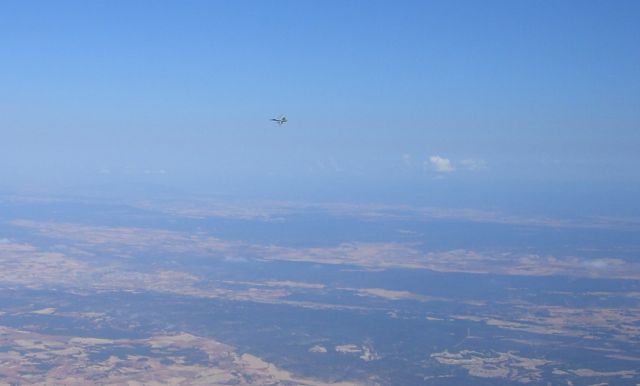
[(289, 293)]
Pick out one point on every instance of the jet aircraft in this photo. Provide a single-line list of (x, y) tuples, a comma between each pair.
[(281, 120)]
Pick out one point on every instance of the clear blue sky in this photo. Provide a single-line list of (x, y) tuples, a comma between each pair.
[(512, 96)]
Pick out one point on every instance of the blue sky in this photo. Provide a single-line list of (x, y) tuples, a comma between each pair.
[(520, 101)]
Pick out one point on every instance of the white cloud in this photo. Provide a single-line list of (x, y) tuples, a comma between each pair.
[(155, 171), (473, 164), (406, 159), (334, 164), (330, 164), (603, 263), (440, 164)]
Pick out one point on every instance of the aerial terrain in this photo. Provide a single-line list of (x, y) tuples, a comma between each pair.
[(254, 293)]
